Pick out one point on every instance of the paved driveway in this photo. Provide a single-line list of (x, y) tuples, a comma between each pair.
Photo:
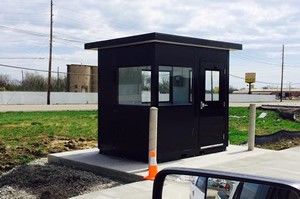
[(28, 108), (284, 103)]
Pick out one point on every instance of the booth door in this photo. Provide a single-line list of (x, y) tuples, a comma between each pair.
[(211, 105)]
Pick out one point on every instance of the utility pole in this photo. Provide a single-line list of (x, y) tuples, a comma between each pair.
[(282, 74), (249, 88), (50, 53), (57, 83), (290, 94), (22, 80)]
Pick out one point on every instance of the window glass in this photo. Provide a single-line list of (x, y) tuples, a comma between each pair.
[(135, 85), (212, 85), (164, 86), (175, 85), (191, 86), (251, 190), (201, 183), (221, 188)]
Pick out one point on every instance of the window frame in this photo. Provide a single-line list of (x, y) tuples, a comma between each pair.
[(117, 72), (170, 87), (171, 103), (219, 93)]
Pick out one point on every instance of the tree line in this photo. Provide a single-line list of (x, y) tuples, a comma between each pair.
[(33, 82)]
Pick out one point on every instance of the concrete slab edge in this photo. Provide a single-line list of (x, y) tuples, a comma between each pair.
[(106, 172)]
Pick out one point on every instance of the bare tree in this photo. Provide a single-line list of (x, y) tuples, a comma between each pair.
[(4, 80), (59, 85), (34, 82)]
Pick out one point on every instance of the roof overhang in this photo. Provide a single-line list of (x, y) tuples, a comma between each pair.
[(162, 38)]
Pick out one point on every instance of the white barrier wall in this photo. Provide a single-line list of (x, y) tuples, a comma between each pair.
[(251, 98), (92, 98), (41, 98)]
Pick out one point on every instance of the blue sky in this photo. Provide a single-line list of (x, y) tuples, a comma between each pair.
[(261, 26)]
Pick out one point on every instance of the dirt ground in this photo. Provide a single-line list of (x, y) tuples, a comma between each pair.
[(40, 180), (10, 157)]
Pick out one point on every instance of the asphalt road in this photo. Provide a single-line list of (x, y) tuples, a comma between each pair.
[(29, 108), (284, 103)]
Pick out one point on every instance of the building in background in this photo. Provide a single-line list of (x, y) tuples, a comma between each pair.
[(82, 78), (286, 92)]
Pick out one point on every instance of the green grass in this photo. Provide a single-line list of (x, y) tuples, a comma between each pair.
[(239, 124), (25, 136)]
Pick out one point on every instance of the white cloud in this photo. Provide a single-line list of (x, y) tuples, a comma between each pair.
[(262, 26)]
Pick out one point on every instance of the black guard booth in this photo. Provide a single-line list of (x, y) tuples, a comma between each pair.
[(186, 78)]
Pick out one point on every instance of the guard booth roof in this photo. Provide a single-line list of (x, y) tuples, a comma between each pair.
[(162, 38)]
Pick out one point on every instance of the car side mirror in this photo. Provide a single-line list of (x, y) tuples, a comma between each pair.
[(173, 183)]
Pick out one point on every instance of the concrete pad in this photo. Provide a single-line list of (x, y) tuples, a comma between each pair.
[(130, 170), (277, 164), (262, 162), (110, 166), (232, 153), (293, 149)]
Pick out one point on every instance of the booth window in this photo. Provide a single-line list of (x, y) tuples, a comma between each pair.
[(164, 86), (191, 86), (175, 84), (212, 85), (135, 85)]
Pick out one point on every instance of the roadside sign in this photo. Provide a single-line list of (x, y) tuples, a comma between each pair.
[(249, 77), (252, 86)]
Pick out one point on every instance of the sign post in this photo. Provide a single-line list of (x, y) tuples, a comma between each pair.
[(250, 78)]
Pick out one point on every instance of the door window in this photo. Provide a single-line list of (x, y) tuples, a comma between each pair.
[(212, 85)]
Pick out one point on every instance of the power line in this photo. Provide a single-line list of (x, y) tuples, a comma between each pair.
[(76, 11), (259, 60), (262, 82), (255, 58), (263, 62), (46, 71), (22, 58), (40, 34), (20, 13), (24, 31), (12, 2), (281, 87)]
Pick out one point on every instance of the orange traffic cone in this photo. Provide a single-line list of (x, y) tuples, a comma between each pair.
[(152, 167)]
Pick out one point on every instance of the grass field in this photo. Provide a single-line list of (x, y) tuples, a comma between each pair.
[(25, 136), (239, 124)]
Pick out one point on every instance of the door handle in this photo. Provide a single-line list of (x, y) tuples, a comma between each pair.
[(202, 105)]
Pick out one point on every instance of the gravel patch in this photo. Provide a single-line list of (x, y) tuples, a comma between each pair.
[(38, 180)]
